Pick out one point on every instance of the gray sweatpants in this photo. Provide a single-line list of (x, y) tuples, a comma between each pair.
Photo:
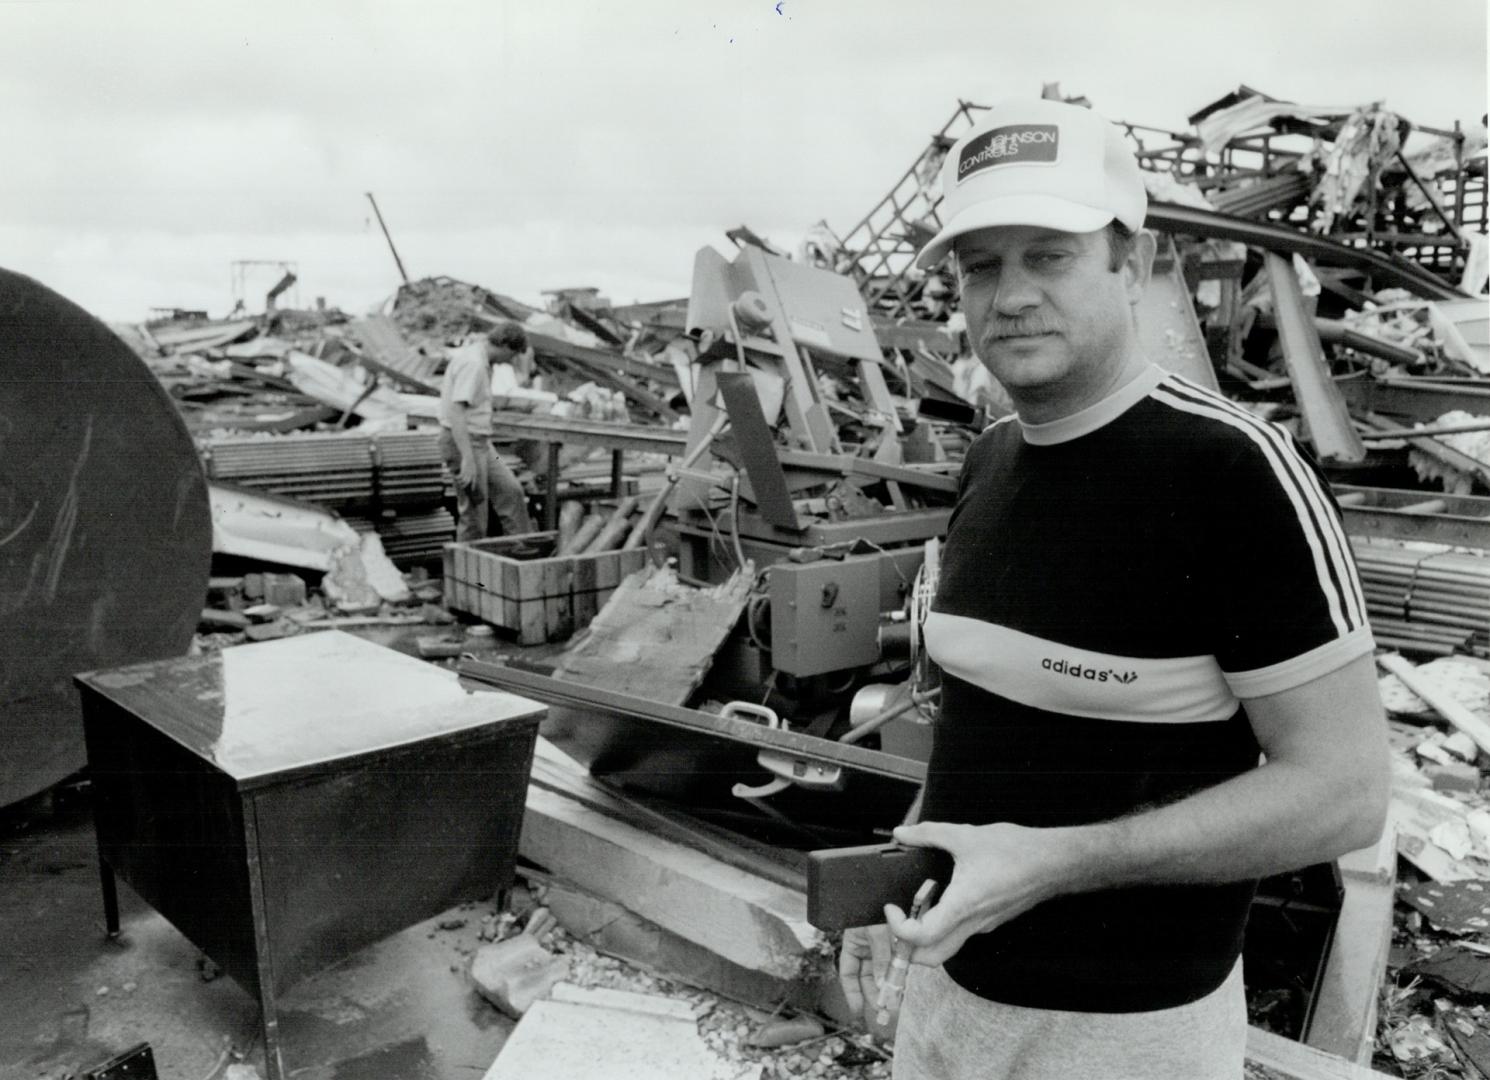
[(946, 1033)]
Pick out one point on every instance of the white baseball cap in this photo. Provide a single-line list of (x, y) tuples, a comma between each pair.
[(1037, 162)]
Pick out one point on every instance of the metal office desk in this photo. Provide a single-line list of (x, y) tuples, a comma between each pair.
[(286, 803)]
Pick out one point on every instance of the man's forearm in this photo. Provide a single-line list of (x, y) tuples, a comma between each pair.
[(1274, 818), (1322, 792)]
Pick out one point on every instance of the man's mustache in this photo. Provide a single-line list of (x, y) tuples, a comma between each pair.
[(1027, 326)]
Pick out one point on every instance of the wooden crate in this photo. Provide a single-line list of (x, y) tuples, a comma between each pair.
[(543, 597)]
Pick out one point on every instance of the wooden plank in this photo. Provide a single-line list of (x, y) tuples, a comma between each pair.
[(532, 622), (586, 605), (656, 637), (491, 608), (1344, 1019), (585, 571), (488, 567), (608, 569), (530, 575), (584, 586), (1299, 1062), (758, 924), (558, 590)]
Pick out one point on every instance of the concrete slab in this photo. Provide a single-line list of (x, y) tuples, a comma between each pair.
[(611, 1035)]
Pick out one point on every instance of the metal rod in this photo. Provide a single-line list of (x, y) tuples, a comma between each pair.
[(387, 236), (1432, 198), (1424, 432)]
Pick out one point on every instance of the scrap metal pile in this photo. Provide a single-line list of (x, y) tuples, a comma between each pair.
[(1317, 263)]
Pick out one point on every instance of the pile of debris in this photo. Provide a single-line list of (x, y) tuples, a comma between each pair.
[(1313, 266), (1434, 1018)]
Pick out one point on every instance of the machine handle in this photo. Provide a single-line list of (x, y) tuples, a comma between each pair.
[(744, 710)]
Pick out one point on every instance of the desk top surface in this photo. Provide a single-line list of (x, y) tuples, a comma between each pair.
[(255, 711)]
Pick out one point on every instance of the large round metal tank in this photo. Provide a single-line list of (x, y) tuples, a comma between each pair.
[(105, 532)]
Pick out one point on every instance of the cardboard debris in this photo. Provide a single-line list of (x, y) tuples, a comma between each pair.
[(1463, 974), (1457, 908)]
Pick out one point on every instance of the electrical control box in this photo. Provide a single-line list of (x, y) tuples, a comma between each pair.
[(825, 614)]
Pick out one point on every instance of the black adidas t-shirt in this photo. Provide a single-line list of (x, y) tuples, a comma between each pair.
[(1112, 583)]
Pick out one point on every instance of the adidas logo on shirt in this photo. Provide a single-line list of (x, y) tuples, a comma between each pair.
[(1062, 667)]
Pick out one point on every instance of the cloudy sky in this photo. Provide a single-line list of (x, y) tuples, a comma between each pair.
[(145, 145)]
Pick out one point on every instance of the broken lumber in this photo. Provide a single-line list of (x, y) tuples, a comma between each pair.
[(1441, 703), (1295, 1061), (656, 637), (1345, 1005), (570, 515), (757, 924), (616, 526), (588, 530)]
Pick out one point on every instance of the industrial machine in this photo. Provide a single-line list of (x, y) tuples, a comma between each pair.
[(803, 470), (832, 506)]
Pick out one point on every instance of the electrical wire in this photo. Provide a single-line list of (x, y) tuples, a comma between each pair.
[(904, 584), (734, 520)]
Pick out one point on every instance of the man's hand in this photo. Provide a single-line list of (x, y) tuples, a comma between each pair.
[(862, 964), (1001, 871), (466, 479)]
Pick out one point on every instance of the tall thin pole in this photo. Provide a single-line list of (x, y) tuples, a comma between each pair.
[(382, 225)]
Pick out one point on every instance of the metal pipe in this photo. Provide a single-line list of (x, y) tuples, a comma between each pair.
[(387, 236)]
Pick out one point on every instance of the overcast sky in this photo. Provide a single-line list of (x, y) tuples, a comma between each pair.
[(147, 144)]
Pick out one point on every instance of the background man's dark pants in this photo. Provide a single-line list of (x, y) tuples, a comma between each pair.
[(496, 491)]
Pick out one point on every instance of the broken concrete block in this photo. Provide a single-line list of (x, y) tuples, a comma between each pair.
[(222, 619), (515, 973), (613, 930), (286, 590), (271, 631), (253, 586), (611, 1035), (775, 1033), (1453, 776), (1461, 746), (1433, 750), (540, 922), (263, 612), (225, 592), (748, 920), (437, 647)]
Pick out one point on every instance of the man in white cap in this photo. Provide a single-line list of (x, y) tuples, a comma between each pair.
[(1157, 669)]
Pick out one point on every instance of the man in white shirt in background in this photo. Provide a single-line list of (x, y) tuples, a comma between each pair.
[(483, 484)]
